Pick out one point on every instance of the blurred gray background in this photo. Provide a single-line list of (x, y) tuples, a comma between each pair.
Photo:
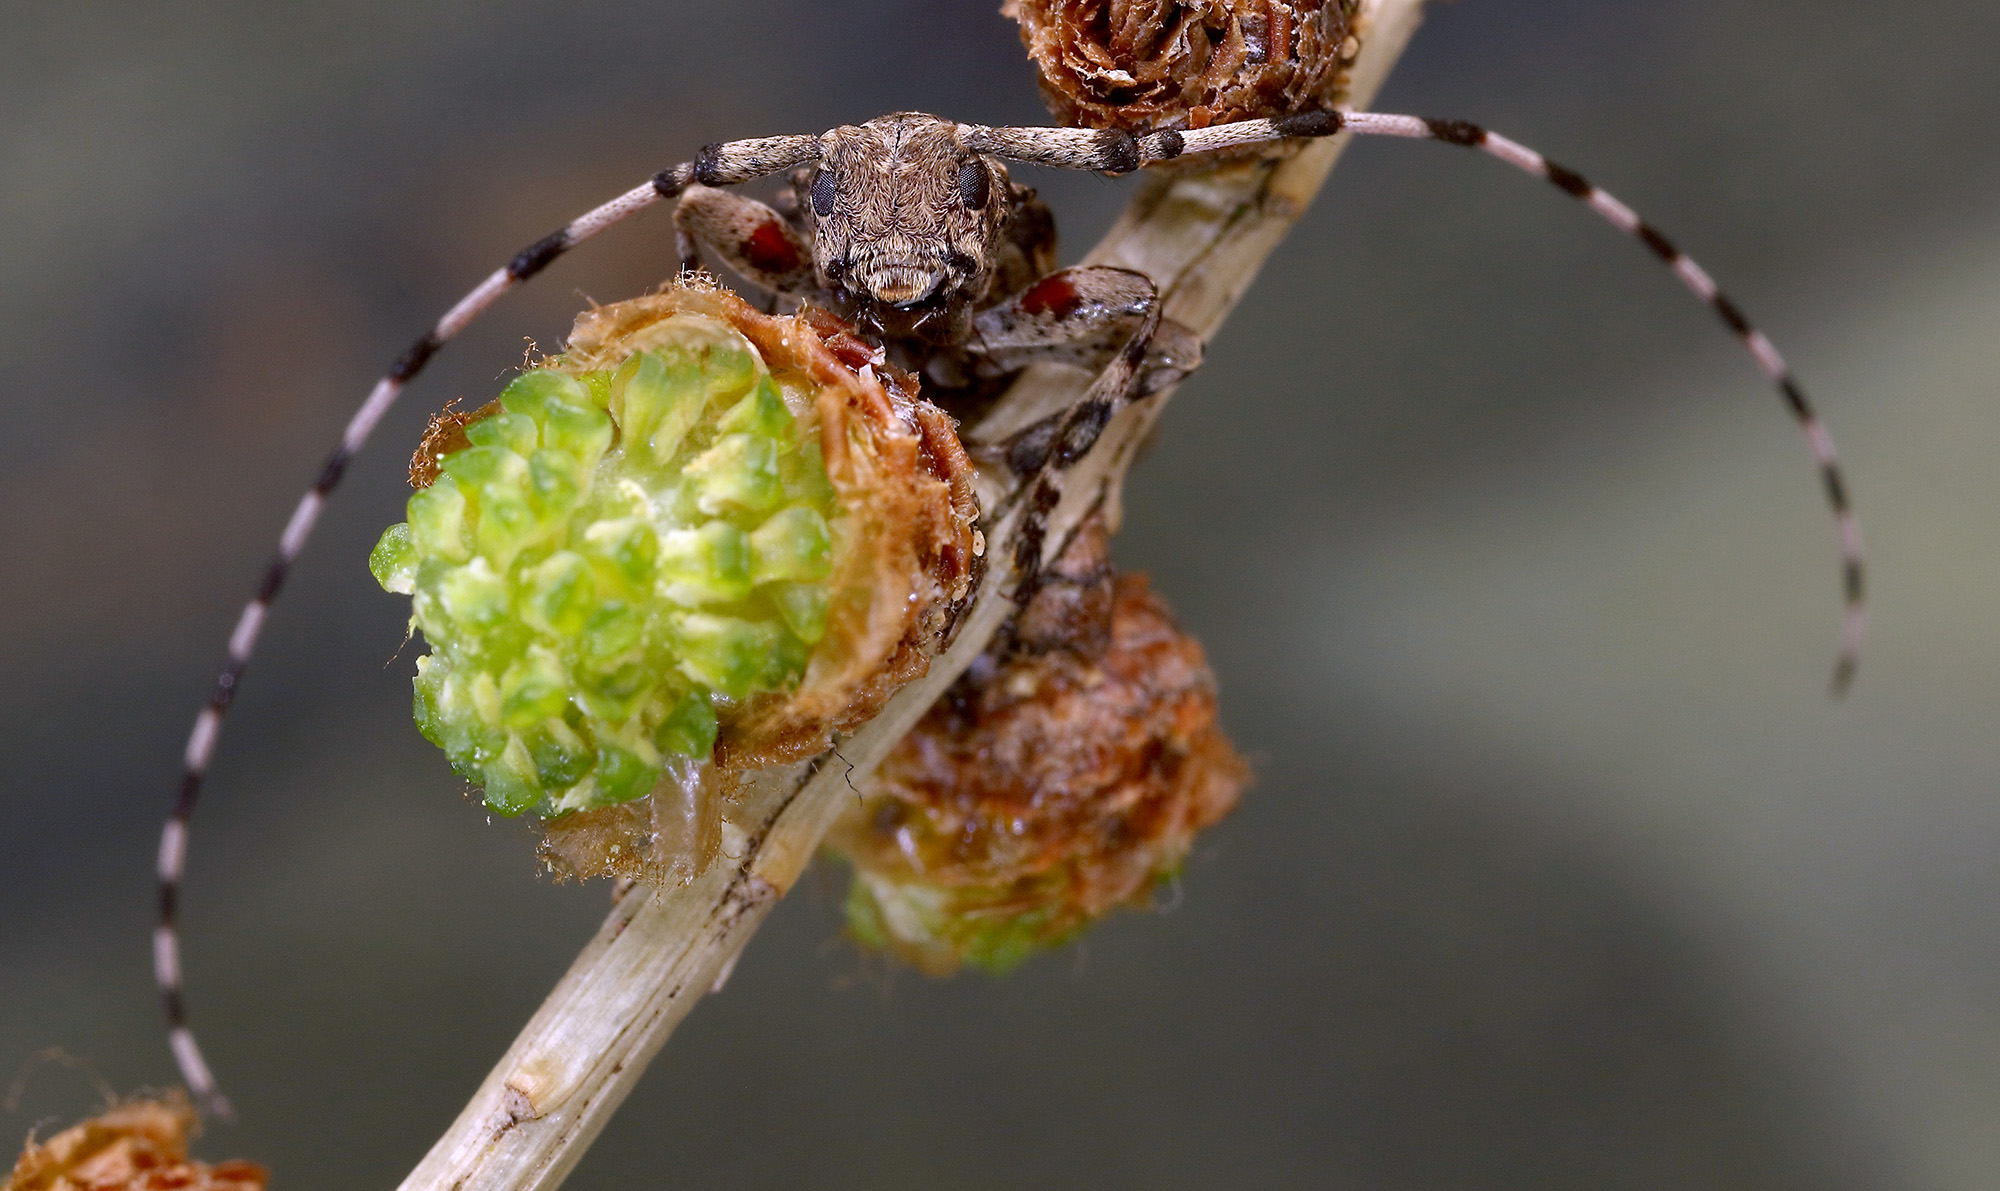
[(1561, 870)]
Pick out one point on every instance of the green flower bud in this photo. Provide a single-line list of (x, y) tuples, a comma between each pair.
[(512, 784), (555, 483), (803, 605), (762, 413), (474, 467), (562, 757), (606, 556), (614, 631), (723, 653), (393, 562), (624, 774), (689, 728), (803, 474), (703, 539), (657, 402), (440, 522), (559, 594), (534, 689), (626, 551), (474, 596), (538, 394), (792, 544), (505, 431), (739, 474), (710, 565)]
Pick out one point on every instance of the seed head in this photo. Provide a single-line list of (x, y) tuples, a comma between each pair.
[(1066, 774), (1145, 65)]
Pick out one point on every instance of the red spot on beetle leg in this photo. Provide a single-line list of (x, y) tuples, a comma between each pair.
[(770, 250), (1052, 295)]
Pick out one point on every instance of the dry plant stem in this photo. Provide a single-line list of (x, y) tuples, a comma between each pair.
[(1202, 238)]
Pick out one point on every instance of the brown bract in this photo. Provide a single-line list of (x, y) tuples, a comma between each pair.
[(140, 1145), (445, 435), (1144, 65), (905, 548), (1055, 781)]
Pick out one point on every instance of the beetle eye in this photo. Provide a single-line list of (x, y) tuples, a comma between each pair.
[(974, 184), (825, 191)]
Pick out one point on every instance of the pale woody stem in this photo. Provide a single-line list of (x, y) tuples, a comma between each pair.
[(1203, 237)]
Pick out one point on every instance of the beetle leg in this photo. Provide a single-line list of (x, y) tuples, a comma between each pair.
[(1082, 317), (755, 241)]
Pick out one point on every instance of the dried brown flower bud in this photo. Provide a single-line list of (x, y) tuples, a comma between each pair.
[(140, 1145), (1066, 774), (1143, 65)]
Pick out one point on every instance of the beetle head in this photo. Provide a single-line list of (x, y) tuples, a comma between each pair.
[(906, 221)]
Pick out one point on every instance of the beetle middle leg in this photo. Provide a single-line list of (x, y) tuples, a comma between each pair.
[(1098, 317)]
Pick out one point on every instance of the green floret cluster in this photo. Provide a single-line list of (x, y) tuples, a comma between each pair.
[(615, 556)]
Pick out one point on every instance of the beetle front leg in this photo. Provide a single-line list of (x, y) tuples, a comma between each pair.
[(754, 240), (1095, 317), (1082, 317)]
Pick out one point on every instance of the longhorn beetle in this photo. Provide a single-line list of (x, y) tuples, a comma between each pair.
[(910, 226)]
